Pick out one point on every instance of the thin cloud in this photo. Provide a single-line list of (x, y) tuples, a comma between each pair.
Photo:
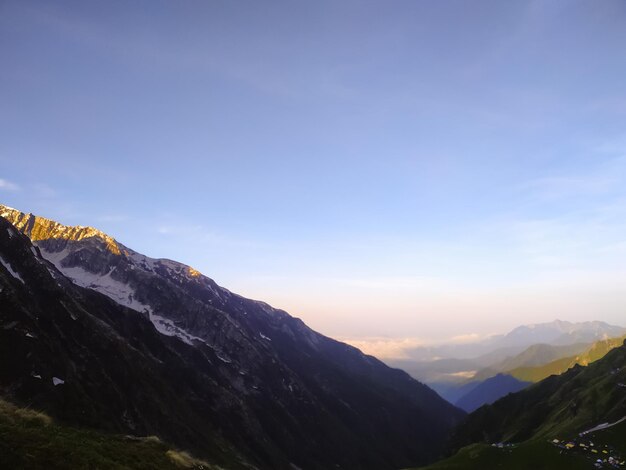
[(198, 234), (466, 338), (113, 218), (564, 186), (7, 185), (385, 348)]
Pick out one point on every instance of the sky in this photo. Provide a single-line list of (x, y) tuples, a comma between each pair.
[(404, 171)]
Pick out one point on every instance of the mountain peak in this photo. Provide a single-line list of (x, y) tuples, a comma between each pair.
[(40, 228), (210, 370)]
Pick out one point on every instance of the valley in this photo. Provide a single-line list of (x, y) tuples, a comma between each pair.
[(105, 340)]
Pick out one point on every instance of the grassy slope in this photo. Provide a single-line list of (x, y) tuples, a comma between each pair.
[(29, 439), (533, 356), (597, 350), (535, 454), (544, 412), (532, 365)]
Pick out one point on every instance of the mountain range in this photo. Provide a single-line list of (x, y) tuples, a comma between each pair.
[(496, 347), (102, 337), (575, 420), (112, 359), (471, 383)]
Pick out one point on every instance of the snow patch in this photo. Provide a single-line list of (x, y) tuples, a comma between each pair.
[(602, 426), (168, 328), (142, 261), (227, 361), (10, 232), (28, 335), (115, 290), (11, 271), (55, 257), (57, 381), (119, 292), (265, 337)]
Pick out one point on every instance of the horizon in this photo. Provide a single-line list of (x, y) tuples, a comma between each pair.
[(387, 348), (354, 164)]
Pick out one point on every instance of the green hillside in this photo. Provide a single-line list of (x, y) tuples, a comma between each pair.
[(561, 405), (536, 455), (542, 454), (596, 351), (550, 425), (31, 440), (533, 356)]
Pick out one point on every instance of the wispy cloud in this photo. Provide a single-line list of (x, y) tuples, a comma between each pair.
[(401, 348), (603, 179), (7, 185), (44, 191), (466, 338), (566, 186), (199, 234), (385, 348), (113, 218)]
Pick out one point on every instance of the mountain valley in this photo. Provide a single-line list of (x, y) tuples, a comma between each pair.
[(99, 336)]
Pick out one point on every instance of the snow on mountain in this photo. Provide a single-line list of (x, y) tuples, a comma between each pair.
[(12, 272), (123, 332)]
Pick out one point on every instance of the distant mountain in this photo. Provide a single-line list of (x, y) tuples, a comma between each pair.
[(531, 365), (558, 406), (453, 391), (494, 348), (592, 353), (574, 421), (533, 356), (562, 333), (98, 335), (490, 390), (454, 378)]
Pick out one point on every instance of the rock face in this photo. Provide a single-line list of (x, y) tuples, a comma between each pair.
[(148, 346)]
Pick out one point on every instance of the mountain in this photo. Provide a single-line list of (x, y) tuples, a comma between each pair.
[(592, 353), (562, 333), (453, 392), (100, 336), (531, 365), (576, 420), (492, 349), (453, 379), (558, 406), (533, 356), (489, 391)]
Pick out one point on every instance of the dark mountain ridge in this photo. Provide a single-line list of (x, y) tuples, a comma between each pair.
[(489, 390), (153, 347)]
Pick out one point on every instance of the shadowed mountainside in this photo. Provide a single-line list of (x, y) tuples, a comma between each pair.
[(153, 347)]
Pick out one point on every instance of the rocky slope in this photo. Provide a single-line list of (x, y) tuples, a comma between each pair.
[(100, 335)]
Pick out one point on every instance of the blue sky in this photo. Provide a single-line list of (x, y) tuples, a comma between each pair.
[(403, 169)]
